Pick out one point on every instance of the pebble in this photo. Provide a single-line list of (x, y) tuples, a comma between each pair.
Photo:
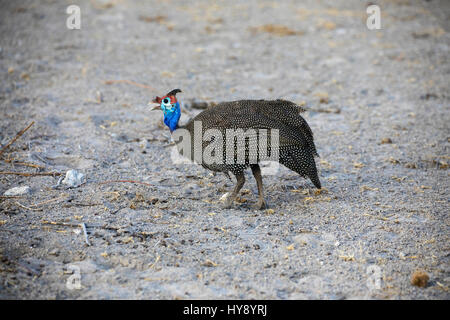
[(224, 197), (74, 179), (54, 252), (420, 279), (18, 191), (386, 140)]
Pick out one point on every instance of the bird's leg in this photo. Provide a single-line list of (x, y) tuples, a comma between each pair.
[(257, 174), (240, 177), (228, 176)]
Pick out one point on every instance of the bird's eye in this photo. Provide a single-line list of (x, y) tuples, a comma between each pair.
[(166, 101)]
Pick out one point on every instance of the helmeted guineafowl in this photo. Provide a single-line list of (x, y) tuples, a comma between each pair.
[(207, 138)]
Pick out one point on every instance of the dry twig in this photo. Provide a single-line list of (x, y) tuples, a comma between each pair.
[(32, 174), (32, 165), (28, 208), (18, 135), (130, 181), (140, 85), (49, 201)]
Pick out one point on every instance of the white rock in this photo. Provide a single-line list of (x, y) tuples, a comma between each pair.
[(74, 178), (144, 144), (18, 191), (225, 196)]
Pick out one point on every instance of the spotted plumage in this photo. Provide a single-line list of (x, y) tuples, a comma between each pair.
[(295, 146)]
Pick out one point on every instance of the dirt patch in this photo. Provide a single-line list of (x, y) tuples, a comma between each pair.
[(377, 102)]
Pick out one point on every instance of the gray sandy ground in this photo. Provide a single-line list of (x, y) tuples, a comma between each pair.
[(383, 213)]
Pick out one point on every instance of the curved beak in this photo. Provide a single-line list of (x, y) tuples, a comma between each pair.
[(151, 103)]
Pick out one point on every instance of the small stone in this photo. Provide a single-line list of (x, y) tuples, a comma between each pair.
[(411, 165), (54, 252), (74, 179), (358, 165), (25, 76), (386, 140), (323, 97), (420, 279), (393, 160), (18, 191), (224, 197), (209, 263), (144, 144)]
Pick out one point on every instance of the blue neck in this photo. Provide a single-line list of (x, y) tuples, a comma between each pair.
[(171, 118)]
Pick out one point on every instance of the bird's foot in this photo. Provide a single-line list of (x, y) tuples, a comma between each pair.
[(261, 204), (228, 203), (227, 200)]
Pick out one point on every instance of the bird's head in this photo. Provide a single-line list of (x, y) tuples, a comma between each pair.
[(170, 107)]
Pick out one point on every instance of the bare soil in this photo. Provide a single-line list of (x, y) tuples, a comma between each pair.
[(378, 104)]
